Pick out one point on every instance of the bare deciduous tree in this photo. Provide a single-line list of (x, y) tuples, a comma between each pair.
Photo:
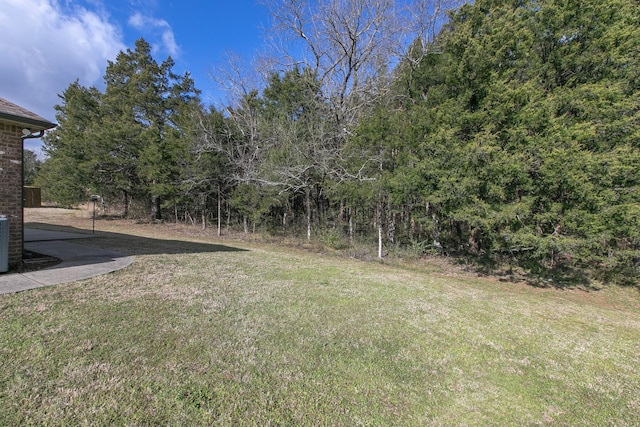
[(350, 48), (349, 45)]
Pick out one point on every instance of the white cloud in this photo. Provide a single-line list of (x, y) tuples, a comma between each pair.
[(48, 44), (137, 21), (45, 48), (147, 24)]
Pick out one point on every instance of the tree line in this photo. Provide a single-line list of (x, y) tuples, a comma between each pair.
[(505, 131)]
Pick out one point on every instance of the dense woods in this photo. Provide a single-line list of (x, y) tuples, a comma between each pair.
[(506, 132)]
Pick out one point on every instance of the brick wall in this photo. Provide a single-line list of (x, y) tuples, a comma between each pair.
[(11, 188)]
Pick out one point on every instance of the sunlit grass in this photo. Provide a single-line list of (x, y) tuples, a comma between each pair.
[(273, 336)]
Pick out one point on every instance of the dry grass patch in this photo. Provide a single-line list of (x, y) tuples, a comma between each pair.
[(198, 334)]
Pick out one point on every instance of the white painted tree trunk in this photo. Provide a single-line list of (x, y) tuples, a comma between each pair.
[(308, 214), (219, 213)]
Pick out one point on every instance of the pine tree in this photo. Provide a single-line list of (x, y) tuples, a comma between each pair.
[(71, 172), (139, 135)]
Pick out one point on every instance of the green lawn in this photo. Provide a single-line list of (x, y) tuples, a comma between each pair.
[(192, 334)]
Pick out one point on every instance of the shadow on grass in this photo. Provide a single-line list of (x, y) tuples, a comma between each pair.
[(134, 245), (560, 276)]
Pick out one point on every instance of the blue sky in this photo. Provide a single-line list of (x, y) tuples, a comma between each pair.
[(48, 44)]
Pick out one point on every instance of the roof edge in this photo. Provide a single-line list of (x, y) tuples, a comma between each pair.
[(20, 120)]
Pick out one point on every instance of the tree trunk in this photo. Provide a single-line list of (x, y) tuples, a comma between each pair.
[(203, 203), (155, 208), (125, 202), (436, 226), (219, 212), (391, 224), (308, 203), (473, 241), (436, 232), (351, 213), (379, 221), (412, 228)]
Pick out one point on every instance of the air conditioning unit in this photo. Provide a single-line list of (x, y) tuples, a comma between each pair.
[(4, 244)]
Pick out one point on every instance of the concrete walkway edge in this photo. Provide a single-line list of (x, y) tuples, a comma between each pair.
[(78, 262)]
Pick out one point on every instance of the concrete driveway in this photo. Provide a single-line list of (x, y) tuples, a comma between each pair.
[(78, 261)]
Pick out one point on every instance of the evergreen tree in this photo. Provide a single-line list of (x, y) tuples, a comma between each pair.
[(297, 150), (70, 172), (31, 166), (139, 136), (525, 130), (127, 141)]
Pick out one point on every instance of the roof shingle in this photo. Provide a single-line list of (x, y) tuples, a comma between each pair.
[(12, 113)]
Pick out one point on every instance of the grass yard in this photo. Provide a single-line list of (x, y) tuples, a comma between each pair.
[(202, 331)]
